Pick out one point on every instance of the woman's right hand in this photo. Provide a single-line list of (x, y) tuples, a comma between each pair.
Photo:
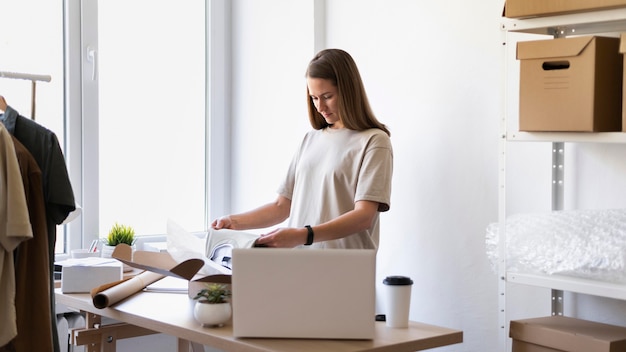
[(223, 222)]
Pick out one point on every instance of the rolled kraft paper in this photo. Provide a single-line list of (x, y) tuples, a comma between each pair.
[(107, 295)]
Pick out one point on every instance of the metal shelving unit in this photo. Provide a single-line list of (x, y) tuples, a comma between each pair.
[(607, 22)]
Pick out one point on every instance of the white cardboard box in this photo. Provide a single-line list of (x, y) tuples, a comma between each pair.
[(83, 274)]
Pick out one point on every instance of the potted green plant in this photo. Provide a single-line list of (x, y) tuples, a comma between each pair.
[(118, 233), (213, 305)]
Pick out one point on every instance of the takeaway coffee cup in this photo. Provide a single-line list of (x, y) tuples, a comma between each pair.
[(398, 290)]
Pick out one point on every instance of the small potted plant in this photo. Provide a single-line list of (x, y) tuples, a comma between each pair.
[(213, 305), (118, 234)]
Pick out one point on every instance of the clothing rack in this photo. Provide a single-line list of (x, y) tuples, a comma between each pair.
[(34, 78)]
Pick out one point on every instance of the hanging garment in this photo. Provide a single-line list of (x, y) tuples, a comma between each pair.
[(31, 265), (15, 229), (59, 197)]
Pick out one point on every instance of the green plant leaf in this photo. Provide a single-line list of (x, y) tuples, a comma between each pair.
[(120, 234), (214, 293)]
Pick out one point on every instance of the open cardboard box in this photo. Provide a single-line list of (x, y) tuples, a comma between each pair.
[(183, 262), (164, 264)]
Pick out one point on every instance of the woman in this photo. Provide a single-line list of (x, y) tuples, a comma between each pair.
[(340, 178)]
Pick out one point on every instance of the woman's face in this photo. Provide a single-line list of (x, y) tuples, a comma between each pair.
[(324, 96)]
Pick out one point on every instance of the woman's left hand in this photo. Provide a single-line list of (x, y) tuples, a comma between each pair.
[(286, 237)]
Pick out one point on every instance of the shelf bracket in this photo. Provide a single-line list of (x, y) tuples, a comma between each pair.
[(557, 302)]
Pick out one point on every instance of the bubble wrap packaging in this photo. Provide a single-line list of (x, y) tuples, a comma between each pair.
[(582, 243)]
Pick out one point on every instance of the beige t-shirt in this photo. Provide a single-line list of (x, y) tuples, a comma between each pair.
[(330, 172)]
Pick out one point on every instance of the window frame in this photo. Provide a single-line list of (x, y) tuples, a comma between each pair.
[(81, 146)]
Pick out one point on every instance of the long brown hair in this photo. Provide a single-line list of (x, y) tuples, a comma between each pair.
[(354, 108)]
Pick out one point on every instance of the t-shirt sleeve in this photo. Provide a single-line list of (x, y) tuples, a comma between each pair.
[(60, 194), (376, 172)]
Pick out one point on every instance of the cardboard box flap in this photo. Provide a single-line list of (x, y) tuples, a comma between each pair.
[(216, 278), (551, 48), (161, 263)]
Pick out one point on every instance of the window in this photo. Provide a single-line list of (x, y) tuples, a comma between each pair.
[(151, 76), (32, 43), (128, 102)]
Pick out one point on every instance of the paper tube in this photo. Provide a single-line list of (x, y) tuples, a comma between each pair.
[(110, 294)]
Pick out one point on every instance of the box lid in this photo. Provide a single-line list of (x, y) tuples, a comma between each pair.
[(551, 48), (569, 334)]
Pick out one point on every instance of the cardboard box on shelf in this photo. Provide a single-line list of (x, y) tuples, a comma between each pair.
[(80, 275), (565, 334), (570, 84), (536, 8)]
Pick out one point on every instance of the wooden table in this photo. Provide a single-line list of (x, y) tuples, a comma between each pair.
[(172, 314)]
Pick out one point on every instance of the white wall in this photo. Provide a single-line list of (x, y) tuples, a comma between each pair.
[(433, 76), (433, 71), (272, 43)]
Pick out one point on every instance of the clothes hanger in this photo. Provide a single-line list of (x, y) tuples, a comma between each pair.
[(30, 77)]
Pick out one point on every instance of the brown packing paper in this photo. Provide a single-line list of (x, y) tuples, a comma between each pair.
[(165, 264), (156, 265), (110, 294), (114, 292), (158, 262)]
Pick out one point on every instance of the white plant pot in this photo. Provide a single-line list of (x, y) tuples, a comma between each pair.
[(209, 314), (107, 252)]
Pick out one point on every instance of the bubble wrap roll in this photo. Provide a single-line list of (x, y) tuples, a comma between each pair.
[(581, 243)]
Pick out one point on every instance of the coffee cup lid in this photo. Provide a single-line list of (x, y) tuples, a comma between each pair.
[(397, 280)]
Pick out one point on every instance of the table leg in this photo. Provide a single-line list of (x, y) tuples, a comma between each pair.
[(103, 338), (188, 346), (94, 321)]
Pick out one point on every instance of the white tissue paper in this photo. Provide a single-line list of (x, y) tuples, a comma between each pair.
[(220, 244), (215, 248), (182, 245)]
